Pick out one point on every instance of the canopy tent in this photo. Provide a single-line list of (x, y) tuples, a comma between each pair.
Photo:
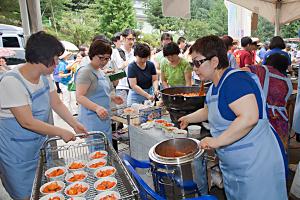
[(278, 12)]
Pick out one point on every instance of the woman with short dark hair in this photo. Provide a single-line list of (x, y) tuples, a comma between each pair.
[(141, 76), (93, 92), (27, 96), (175, 71), (277, 45), (249, 155), (277, 88)]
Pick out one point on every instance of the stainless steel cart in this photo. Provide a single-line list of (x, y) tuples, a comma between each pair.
[(80, 151)]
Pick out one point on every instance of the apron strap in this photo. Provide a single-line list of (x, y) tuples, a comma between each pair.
[(18, 77)]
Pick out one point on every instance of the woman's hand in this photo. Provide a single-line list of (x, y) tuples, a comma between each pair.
[(101, 112), (156, 92), (184, 121), (117, 100), (150, 97), (67, 136), (209, 143), (79, 128)]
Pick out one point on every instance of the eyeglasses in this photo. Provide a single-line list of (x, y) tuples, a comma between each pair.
[(102, 58), (198, 63), (130, 39)]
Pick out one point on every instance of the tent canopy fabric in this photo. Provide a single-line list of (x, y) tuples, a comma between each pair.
[(286, 10)]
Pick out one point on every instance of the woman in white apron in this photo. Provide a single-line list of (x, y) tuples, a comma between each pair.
[(27, 94), (93, 92), (249, 154)]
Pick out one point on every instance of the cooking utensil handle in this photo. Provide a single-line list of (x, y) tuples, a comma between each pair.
[(76, 135), (210, 158)]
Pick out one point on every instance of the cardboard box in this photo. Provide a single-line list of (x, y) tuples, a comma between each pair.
[(149, 114)]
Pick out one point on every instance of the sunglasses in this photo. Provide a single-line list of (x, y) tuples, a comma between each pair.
[(102, 58), (198, 63)]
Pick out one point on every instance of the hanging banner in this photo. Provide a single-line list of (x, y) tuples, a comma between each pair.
[(176, 8), (239, 21)]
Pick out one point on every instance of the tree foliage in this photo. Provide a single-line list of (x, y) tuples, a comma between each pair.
[(116, 15), (10, 12)]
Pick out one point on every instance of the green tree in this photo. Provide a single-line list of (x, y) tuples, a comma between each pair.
[(218, 18), (156, 18), (290, 30), (10, 12), (116, 15), (193, 29), (265, 29)]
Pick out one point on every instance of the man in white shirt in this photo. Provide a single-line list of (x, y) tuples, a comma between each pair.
[(122, 57)]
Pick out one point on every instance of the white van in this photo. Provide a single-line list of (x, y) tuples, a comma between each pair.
[(12, 37)]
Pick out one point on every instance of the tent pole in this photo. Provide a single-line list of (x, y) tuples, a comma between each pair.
[(25, 19), (277, 18)]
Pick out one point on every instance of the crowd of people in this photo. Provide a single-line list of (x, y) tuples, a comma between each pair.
[(244, 82)]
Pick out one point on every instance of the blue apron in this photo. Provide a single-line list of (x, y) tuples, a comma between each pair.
[(296, 120), (19, 147), (89, 118), (134, 97), (252, 167)]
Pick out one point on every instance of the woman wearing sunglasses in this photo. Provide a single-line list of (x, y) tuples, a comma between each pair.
[(175, 71), (27, 96), (249, 154), (93, 92)]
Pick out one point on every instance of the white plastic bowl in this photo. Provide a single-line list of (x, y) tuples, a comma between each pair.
[(56, 178), (60, 183), (102, 151), (103, 169), (77, 198), (179, 133), (194, 131), (95, 161), (70, 175), (112, 179), (49, 196), (106, 193), (77, 161), (78, 195)]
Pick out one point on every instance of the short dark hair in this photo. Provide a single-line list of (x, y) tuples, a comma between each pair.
[(41, 47), (3, 58), (99, 47), (142, 50), (181, 39), (171, 49), (228, 41), (127, 32), (278, 61), (102, 38), (277, 42), (166, 35), (116, 37), (210, 46), (245, 41)]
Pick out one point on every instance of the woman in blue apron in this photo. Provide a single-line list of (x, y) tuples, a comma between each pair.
[(24, 122), (296, 119), (142, 76), (93, 92), (249, 154)]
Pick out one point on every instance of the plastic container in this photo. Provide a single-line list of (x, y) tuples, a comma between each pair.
[(70, 175), (93, 169), (98, 154), (107, 193), (77, 184), (179, 133), (60, 177), (194, 131), (52, 195), (77, 167), (103, 169), (56, 183), (110, 179)]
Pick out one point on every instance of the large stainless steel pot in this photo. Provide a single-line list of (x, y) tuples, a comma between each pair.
[(178, 175)]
